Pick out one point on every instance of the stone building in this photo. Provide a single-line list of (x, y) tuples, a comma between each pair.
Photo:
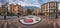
[(49, 8), (22, 10), (36, 11)]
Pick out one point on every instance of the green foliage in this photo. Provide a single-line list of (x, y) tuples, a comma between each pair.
[(12, 14), (0, 11), (29, 11)]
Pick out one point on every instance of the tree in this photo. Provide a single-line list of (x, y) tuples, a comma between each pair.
[(29, 11), (12, 14), (8, 14), (0, 10)]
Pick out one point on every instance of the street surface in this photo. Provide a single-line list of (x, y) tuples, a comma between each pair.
[(44, 23), (8, 17)]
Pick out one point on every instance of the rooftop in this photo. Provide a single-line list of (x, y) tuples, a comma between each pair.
[(50, 2)]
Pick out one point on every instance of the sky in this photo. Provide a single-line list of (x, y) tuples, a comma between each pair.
[(28, 2)]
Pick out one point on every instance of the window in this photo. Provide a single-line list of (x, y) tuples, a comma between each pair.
[(52, 4)]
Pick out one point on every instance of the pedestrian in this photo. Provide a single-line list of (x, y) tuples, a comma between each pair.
[(4, 17)]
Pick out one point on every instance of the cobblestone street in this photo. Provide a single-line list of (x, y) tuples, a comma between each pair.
[(44, 23)]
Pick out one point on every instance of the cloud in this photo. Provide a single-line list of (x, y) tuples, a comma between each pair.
[(59, 6), (36, 2), (30, 2), (53, 0), (50, 0), (25, 2), (0, 4), (22, 0), (6, 0)]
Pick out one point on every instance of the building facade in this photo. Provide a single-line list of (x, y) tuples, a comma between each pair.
[(0, 10), (22, 10), (12, 6), (17, 9), (49, 8), (4, 9), (36, 11)]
